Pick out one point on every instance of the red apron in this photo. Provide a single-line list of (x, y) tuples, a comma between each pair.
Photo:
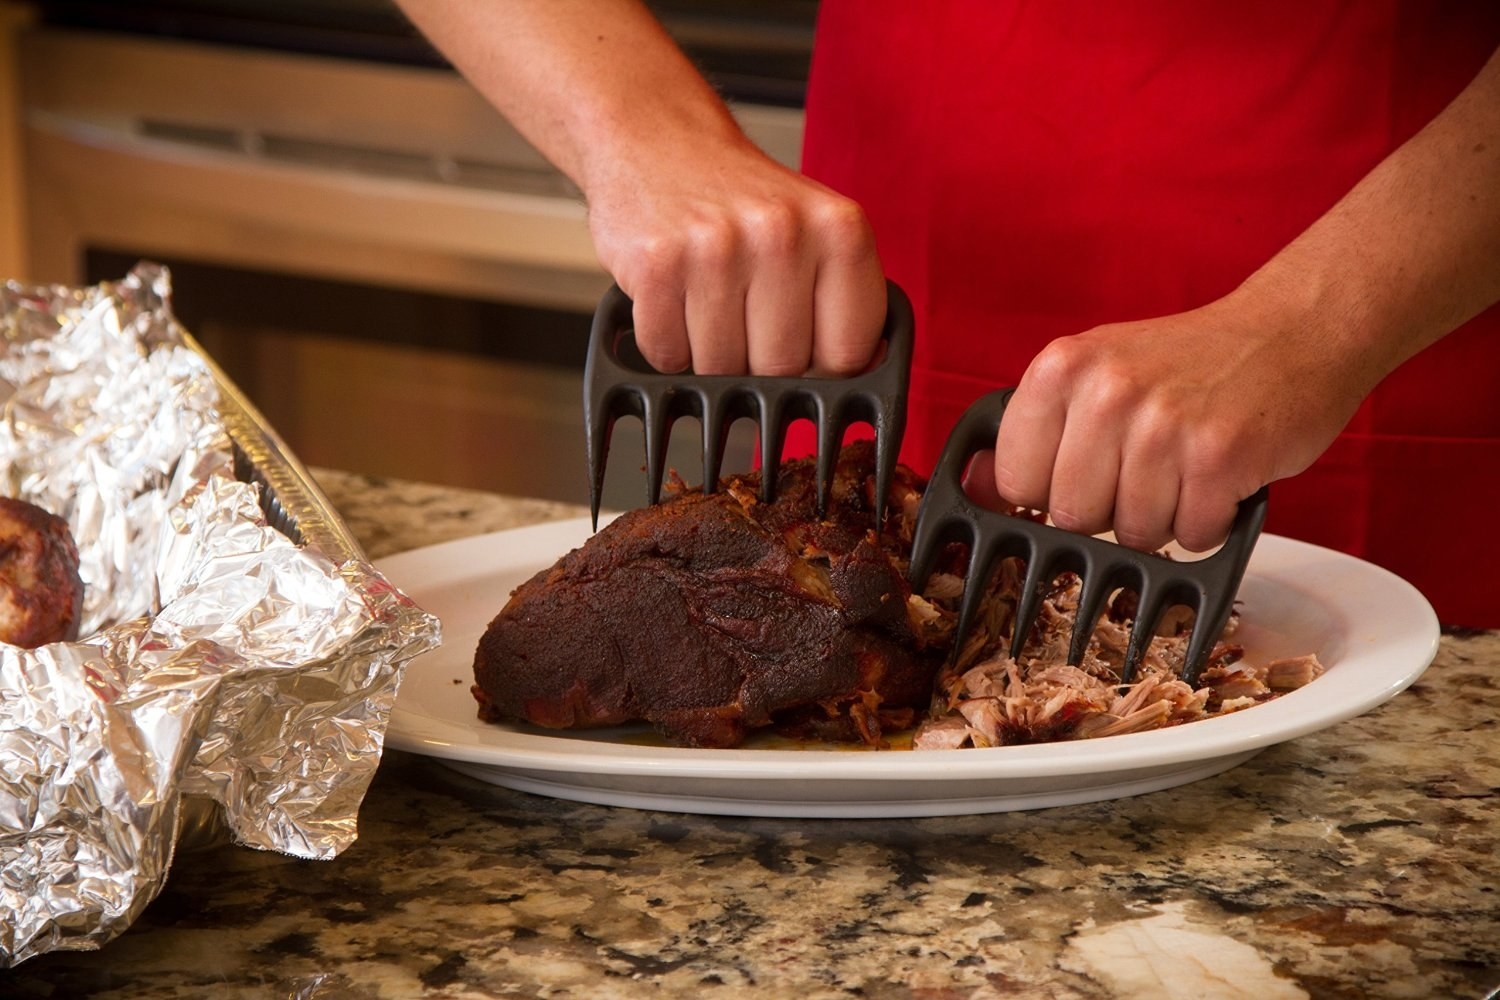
[(1036, 169)]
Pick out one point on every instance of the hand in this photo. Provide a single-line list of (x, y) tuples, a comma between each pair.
[(1157, 429), (736, 264)]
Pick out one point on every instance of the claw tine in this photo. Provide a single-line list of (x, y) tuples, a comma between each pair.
[(1149, 607), (933, 527), (981, 564), (940, 519), (657, 424), (1030, 602), (830, 422), (1133, 653), (1207, 627), (770, 446), (1091, 595), (923, 554), (602, 390), (600, 425), (884, 473), (715, 430), (889, 428)]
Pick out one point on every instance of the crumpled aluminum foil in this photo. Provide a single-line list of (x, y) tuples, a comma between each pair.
[(226, 668)]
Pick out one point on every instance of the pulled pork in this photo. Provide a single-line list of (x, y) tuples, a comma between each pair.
[(986, 698)]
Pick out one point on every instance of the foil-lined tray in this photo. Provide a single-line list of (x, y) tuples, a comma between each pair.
[(239, 656)]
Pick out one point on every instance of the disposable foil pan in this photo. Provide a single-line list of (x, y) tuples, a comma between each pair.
[(239, 655)]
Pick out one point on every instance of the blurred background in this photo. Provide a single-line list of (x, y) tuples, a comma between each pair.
[(387, 269)]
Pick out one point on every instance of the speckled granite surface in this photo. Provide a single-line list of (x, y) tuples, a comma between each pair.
[(1359, 862)]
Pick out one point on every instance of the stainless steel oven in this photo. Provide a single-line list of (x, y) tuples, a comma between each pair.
[(391, 273)]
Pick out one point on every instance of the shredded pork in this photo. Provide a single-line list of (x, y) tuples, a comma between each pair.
[(988, 699)]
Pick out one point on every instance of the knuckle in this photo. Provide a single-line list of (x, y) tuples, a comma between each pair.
[(1140, 537), (1202, 521), (1200, 536), (780, 357), (1216, 454), (1117, 391), (1071, 518), (1014, 486), (714, 243), (715, 366), (658, 338), (774, 228), (779, 367), (841, 222), (1057, 365), (716, 356), (1155, 425), (843, 357), (664, 356), (652, 263), (1064, 519)]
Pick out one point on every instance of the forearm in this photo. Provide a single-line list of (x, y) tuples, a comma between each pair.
[(580, 79), (732, 261), (1410, 253)]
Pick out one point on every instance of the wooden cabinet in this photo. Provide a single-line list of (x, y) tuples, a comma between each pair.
[(13, 18)]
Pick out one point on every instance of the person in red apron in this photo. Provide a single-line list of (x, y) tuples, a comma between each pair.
[(1033, 171), (1214, 247)]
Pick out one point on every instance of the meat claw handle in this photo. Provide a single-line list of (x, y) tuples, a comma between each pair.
[(947, 514), (612, 389)]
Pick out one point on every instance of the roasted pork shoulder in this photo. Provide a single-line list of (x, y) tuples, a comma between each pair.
[(714, 615)]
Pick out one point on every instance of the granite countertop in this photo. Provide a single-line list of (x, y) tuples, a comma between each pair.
[(1353, 863)]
